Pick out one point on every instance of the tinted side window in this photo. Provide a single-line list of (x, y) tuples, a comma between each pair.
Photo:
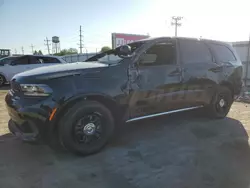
[(7, 60), (21, 61), (223, 53), (35, 60), (2, 61), (50, 60), (159, 54), (193, 51)]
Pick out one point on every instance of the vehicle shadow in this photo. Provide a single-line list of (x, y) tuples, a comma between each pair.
[(178, 150)]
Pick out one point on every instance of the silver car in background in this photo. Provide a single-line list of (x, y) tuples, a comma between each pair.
[(12, 65)]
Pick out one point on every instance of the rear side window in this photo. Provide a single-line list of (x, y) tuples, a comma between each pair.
[(35, 60), (194, 51), (223, 53)]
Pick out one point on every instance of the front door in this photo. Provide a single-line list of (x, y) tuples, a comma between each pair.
[(158, 84)]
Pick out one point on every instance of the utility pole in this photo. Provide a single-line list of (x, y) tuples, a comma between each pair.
[(32, 48), (176, 22), (47, 44), (81, 47), (15, 51), (22, 50), (247, 64), (87, 53)]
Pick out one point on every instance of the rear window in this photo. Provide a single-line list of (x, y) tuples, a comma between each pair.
[(223, 53)]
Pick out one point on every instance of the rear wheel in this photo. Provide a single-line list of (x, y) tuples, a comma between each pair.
[(2, 80), (86, 127), (221, 103)]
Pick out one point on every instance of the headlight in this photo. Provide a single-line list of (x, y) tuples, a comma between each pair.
[(36, 89)]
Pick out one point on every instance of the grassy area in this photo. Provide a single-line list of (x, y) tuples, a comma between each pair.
[(4, 117)]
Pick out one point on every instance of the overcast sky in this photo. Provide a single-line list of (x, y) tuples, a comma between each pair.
[(26, 22)]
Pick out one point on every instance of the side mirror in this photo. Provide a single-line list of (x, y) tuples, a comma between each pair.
[(147, 59), (125, 50)]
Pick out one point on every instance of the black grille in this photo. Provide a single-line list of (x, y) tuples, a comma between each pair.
[(15, 86)]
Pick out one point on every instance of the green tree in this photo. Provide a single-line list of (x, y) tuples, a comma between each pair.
[(67, 52), (105, 48), (72, 51), (35, 53), (40, 52)]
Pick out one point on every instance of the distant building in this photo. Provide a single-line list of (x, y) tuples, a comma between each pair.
[(241, 48), (4, 53)]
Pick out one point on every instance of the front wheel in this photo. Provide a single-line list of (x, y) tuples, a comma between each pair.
[(221, 103), (86, 127)]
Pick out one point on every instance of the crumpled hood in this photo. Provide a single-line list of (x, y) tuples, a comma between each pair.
[(66, 69)]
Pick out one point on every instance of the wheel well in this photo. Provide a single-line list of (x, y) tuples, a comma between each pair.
[(229, 86), (3, 76), (111, 105)]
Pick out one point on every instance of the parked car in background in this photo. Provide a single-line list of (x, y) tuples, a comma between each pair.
[(81, 103), (9, 66)]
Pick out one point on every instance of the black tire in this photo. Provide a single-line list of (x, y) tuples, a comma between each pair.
[(2, 80), (221, 103), (82, 114)]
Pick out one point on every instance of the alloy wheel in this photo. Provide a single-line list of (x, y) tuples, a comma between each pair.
[(222, 104), (88, 129)]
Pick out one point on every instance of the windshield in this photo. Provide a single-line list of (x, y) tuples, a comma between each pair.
[(111, 56), (7, 60)]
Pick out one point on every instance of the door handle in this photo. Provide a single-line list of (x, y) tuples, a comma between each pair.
[(216, 69)]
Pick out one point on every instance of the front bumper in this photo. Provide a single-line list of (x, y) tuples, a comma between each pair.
[(17, 130), (29, 118)]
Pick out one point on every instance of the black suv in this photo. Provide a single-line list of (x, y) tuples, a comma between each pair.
[(81, 103)]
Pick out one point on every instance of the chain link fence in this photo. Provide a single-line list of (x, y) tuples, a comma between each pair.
[(77, 57)]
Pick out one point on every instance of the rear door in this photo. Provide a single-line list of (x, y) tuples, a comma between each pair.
[(199, 79), (229, 64)]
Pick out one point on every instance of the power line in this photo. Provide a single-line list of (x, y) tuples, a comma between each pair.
[(80, 39), (32, 48), (176, 22), (47, 44), (22, 50)]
